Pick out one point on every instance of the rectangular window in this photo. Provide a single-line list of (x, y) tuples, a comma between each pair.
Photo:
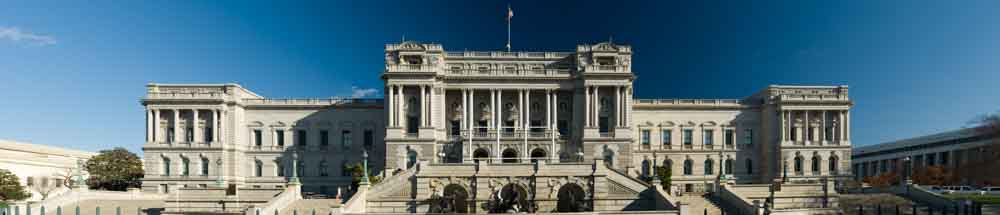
[(828, 134), (730, 137), (257, 138), (708, 137), (324, 138), (748, 136), (204, 166), (645, 137), (190, 134), (279, 135), (208, 134), (171, 137), (369, 139), (164, 188), (345, 139), (301, 137), (666, 137), (688, 133)]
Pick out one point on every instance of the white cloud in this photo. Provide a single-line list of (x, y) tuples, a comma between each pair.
[(362, 92), (16, 35)]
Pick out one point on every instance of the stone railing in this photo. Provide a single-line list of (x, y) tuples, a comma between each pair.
[(565, 73), (411, 68), (606, 68), (185, 95), (291, 194), (821, 97), (688, 102), (521, 55), (332, 101), (79, 195)]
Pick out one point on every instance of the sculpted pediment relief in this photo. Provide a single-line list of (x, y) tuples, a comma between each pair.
[(411, 46), (688, 124), (604, 47), (709, 123), (255, 124), (667, 124), (278, 124)]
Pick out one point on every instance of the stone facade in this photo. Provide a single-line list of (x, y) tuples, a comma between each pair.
[(498, 108), (42, 169), (950, 149)]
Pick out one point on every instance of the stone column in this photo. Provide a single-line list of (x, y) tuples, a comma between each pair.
[(618, 106), (822, 131), (222, 125), (781, 124), (215, 125), (156, 125), (400, 103), (586, 106), (177, 130), (149, 125), (493, 109), (597, 107), (391, 110), (194, 126), (472, 111), (423, 108), (847, 125), (499, 122), (628, 106), (526, 112), (807, 131), (520, 124)]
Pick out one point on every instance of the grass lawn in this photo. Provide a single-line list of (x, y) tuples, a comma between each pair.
[(985, 199), (3, 205)]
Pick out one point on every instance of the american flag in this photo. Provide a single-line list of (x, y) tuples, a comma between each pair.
[(510, 13)]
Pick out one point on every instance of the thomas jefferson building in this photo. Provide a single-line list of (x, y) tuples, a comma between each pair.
[(481, 120)]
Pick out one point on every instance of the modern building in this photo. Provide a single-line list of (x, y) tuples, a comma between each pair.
[(44, 170), (949, 149), (481, 120)]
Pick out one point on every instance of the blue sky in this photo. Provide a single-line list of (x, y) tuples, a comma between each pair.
[(73, 72)]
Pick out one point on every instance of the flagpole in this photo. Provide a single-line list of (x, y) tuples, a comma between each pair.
[(510, 15)]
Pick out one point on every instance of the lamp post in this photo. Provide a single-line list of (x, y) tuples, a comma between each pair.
[(906, 169), (364, 171), (219, 181)]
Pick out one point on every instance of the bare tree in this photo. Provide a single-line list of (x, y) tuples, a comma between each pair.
[(987, 126), (44, 187)]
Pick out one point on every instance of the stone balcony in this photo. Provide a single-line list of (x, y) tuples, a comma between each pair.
[(607, 69)]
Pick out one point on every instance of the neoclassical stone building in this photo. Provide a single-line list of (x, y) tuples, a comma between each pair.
[(479, 120)]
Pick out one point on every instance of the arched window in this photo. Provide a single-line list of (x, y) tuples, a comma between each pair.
[(323, 168), (185, 166), (480, 155), (645, 167), (815, 164), (833, 164), (709, 166), (204, 165), (258, 168), (749, 166), (166, 166), (687, 167), (509, 156), (411, 158), (729, 166), (537, 154), (798, 164)]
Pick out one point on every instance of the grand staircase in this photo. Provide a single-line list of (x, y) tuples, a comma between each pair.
[(699, 202), (310, 207)]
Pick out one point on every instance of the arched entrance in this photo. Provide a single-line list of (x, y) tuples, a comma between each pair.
[(512, 198), (509, 156), (572, 198), (453, 200), (537, 154), (480, 155)]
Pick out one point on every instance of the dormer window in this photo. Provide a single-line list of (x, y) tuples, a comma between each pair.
[(605, 61), (413, 59)]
